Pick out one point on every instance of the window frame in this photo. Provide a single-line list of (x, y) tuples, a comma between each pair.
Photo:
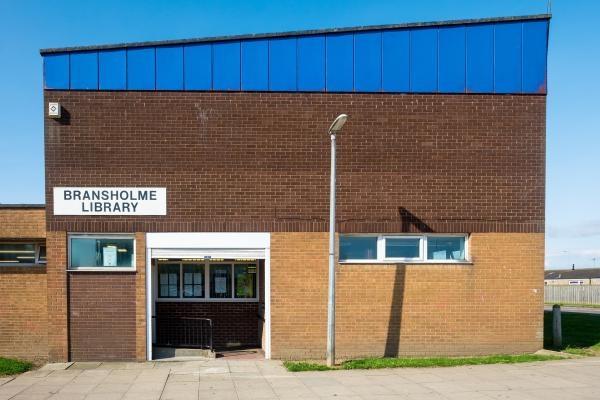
[(36, 263), (207, 298), (422, 259), (72, 236)]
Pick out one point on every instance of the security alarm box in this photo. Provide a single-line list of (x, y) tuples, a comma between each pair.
[(54, 110)]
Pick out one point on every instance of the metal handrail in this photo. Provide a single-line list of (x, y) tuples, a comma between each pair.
[(184, 332)]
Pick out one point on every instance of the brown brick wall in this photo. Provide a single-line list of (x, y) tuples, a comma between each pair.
[(260, 161), (23, 296), (27, 223), (56, 268), (234, 324), (102, 316), (23, 313), (493, 305)]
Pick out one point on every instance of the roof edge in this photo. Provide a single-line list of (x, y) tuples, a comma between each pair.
[(22, 205), (295, 33)]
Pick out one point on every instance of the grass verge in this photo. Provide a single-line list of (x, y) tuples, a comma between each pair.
[(373, 363), (13, 367), (580, 332)]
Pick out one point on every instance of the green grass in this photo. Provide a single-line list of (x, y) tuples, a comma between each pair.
[(581, 333), (13, 367), (301, 366), (373, 363)]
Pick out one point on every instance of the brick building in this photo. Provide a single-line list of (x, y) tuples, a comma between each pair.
[(189, 180)]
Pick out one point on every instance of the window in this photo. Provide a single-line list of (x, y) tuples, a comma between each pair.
[(220, 281), (168, 280), (15, 253), (446, 248), (101, 252), (41, 254), (191, 279), (245, 281), (405, 248), (429, 248), (358, 247)]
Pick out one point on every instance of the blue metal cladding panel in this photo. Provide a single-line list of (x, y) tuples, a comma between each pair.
[(255, 66), (56, 71), (508, 57), (311, 63), (197, 67), (535, 43), (84, 70), (169, 68), (367, 62), (141, 69), (340, 62), (424, 60), (452, 60), (480, 59), (112, 72), (226, 66), (396, 61), (282, 64)]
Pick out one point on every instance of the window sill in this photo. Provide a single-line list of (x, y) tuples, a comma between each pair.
[(104, 269), (391, 262)]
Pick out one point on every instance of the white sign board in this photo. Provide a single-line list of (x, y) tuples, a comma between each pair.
[(110, 201), (109, 256)]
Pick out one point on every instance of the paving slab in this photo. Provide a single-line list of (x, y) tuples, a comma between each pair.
[(252, 380)]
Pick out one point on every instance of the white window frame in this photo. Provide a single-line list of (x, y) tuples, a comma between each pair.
[(381, 245), (422, 259), (36, 262), (102, 236), (207, 297)]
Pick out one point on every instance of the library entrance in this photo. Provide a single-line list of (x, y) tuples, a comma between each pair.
[(209, 294)]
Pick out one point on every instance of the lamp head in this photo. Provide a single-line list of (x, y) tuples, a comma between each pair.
[(338, 123)]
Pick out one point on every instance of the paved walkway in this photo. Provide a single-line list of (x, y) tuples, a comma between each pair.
[(243, 379)]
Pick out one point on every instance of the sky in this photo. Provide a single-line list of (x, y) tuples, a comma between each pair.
[(573, 112)]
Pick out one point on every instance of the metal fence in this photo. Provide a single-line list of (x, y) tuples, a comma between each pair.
[(584, 294), (184, 332)]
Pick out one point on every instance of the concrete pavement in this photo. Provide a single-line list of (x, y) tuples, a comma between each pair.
[(244, 379)]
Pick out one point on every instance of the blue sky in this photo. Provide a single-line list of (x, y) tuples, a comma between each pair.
[(573, 134)]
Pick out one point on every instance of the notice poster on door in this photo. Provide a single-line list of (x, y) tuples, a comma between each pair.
[(109, 256), (220, 285)]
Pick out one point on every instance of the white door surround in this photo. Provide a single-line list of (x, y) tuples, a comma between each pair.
[(208, 244)]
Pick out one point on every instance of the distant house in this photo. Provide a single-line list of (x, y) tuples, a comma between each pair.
[(583, 276)]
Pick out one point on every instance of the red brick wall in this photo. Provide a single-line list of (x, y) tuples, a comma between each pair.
[(260, 161), (234, 324), (102, 316)]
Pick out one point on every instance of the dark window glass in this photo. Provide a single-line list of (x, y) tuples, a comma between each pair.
[(220, 281), (193, 280), (358, 248), (168, 280), (101, 252), (42, 254), (402, 248), (245, 281), (17, 253), (446, 248)]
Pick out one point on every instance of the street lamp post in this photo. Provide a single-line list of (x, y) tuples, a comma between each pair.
[(335, 127)]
